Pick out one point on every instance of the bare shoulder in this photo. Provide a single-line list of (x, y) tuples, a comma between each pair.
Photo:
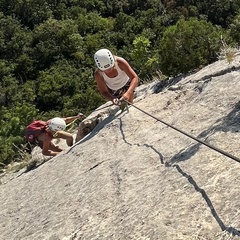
[(125, 66), (121, 60), (97, 73), (122, 63), (44, 137)]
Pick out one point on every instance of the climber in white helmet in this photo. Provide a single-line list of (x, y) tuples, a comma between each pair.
[(116, 80), (42, 133)]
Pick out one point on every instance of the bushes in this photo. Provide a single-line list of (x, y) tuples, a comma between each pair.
[(187, 45), (13, 122)]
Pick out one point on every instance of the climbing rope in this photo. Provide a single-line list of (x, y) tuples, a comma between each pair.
[(188, 135), (103, 107)]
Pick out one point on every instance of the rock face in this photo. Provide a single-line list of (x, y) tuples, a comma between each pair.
[(88, 124), (134, 177)]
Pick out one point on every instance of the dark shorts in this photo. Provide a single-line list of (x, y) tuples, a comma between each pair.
[(118, 93)]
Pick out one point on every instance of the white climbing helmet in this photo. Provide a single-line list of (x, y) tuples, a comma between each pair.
[(56, 124), (104, 59)]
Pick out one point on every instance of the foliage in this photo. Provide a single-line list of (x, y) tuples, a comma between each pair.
[(187, 45), (143, 57), (12, 129), (234, 28)]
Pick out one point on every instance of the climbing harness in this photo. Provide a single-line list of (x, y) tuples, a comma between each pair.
[(188, 135)]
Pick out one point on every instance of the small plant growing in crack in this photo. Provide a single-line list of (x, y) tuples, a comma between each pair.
[(227, 52)]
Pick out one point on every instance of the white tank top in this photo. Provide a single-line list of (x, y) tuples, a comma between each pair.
[(117, 82)]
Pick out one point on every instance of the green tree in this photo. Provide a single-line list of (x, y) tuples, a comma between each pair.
[(8, 84), (142, 57), (54, 40), (62, 80), (13, 121), (15, 47), (13, 37), (29, 12), (234, 29), (187, 45)]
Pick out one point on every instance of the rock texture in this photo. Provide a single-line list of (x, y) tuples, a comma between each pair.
[(134, 177)]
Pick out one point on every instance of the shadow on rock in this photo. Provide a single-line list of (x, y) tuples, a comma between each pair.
[(92, 127), (228, 123), (184, 154)]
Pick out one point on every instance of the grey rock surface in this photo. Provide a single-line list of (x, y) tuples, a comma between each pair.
[(134, 177)]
